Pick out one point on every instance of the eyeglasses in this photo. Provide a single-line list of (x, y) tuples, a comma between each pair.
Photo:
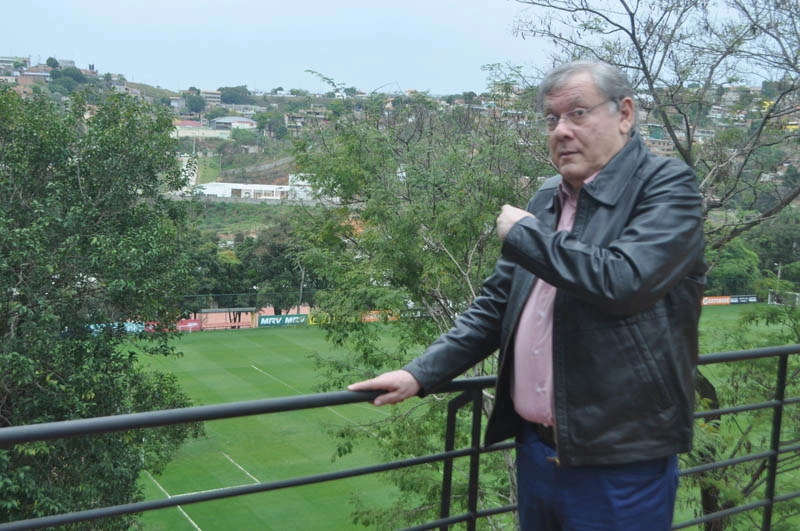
[(574, 117)]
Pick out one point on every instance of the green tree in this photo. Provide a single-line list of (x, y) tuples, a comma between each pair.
[(62, 85), (203, 248), (195, 104), (52, 62), (217, 112), (244, 137), (269, 121), (91, 253), (235, 95), (340, 108), (226, 150), (270, 263), (232, 283), (737, 271), (74, 73), (777, 241), (411, 234), (272, 123)]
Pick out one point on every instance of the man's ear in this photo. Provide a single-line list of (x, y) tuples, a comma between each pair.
[(627, 111)]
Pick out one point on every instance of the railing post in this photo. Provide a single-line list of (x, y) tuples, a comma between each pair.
[(474, 458), (474, 396), (775, 441), (449, 444)]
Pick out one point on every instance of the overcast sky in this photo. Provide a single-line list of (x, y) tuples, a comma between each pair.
[(427, 45)]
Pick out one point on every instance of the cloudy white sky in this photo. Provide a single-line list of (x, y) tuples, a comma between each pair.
[(427, 45)]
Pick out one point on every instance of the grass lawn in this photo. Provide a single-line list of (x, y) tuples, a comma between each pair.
[(231, 366), (230, 218), (207, 169)]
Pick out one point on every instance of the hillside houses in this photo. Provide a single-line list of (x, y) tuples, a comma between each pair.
[(292, 112)]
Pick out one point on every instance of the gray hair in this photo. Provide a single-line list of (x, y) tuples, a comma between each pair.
[(611, 82)]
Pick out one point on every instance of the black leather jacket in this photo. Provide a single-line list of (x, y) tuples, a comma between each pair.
[(629, 279)]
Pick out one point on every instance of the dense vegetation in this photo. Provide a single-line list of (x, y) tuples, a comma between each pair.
[(88, 238), (92, 264)]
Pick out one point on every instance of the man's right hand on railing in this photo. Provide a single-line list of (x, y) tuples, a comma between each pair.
[(398, 385)]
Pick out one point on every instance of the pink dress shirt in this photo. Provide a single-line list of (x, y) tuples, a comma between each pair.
[(532, 385)]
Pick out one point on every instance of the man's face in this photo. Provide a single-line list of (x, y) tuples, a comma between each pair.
[(581, 150)]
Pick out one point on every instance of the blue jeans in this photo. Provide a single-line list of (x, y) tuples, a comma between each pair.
[(632, 497)]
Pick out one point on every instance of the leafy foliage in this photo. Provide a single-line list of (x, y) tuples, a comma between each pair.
[(235, 95), (89, 246), (732, 436), (411, 234), (737, 271)]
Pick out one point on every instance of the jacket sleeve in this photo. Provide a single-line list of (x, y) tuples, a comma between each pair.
[(474, 336), (659, 241)]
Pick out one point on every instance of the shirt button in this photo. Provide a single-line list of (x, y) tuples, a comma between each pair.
[(536, 352)]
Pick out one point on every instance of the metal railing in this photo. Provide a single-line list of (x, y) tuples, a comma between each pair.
[(470, 394)]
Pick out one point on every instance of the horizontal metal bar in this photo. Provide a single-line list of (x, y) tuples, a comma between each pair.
[(72, 428), (787, 497), (790, 449), (741, 355), (738, 460), (455, 519), (217, 494), (722, 514), (723, 464), (149, 419), (736, 409), (433, 524)]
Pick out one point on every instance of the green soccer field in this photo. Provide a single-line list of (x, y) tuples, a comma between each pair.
[(231, 366)]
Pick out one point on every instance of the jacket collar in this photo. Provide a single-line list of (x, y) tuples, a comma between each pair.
[(610, 182)]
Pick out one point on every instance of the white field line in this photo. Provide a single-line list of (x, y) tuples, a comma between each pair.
[(299, 392), (162, 489), (296, 390), (237, 465)]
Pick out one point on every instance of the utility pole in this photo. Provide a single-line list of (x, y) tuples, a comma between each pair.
[(777, 298), (302, 281)]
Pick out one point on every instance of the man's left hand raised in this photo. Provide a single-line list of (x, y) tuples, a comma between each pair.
[(509, 215)]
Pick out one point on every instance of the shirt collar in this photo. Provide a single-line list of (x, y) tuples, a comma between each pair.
[(568, 194)]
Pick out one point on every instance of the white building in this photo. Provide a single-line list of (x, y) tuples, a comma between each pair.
[(233, 122), (296, 191), (212, 97)]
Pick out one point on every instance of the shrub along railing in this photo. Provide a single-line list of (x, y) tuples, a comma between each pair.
[(469, 394)]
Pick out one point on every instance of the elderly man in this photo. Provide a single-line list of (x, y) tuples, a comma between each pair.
[(594, 305)]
